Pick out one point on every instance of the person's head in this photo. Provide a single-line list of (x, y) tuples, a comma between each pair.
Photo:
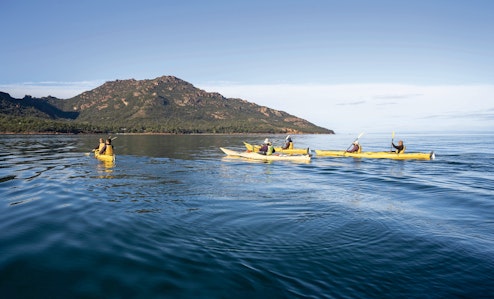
[(355, 142), (400, 142), (108, 141), (101, 140), (266, 141)]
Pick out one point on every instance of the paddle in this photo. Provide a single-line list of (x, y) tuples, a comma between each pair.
[(360, 135), (392, 140)]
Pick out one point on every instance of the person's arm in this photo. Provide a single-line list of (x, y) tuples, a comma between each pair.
[(398, 147), (102, 150)]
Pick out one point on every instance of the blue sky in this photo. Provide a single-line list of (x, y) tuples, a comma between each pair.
[(350, 66)]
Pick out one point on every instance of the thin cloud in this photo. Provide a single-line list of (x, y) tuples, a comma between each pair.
[(351, 103), (397, 96), (387, 104), (480, 115)]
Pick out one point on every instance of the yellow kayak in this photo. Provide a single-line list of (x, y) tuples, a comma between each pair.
[(377, 155), (274, 157), (294, 151), (105, 158)]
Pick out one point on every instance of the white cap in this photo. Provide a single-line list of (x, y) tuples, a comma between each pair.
[(266, 141), (355, 142)]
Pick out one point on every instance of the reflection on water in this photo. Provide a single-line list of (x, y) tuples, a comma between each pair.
[(105, 168), (246, 160)]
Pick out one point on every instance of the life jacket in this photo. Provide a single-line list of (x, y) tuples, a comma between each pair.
[(109, 150), (270, 150), (402, 151), (290, 145), (101, 146), (359, 149)]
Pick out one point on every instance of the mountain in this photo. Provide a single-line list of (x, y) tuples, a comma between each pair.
[(162, 105), (32, 107)]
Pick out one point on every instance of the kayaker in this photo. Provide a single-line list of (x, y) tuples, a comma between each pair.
[(266, 148), (100, 145), (355, 148), (270, 149), (107, 149), (288, 143), (400, 147)]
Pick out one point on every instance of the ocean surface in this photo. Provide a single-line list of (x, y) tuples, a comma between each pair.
[(175, 218)]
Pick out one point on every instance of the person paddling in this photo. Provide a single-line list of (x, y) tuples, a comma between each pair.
[(107, 149), (355, 147), (266, 148), (288, 143), (100, 145), (400, 147)]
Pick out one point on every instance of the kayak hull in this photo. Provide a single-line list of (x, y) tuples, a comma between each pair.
[(293, 151), (260, 157), (104, 158), (377, 155)]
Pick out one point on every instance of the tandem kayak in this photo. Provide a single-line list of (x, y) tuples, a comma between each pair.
[(105, 158), (293, 151), (377, 155), (274, 157)]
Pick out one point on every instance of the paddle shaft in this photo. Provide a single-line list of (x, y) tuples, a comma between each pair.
[(392, 140), (358, 137)]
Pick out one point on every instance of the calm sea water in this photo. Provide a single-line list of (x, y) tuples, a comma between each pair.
[(174, 218)]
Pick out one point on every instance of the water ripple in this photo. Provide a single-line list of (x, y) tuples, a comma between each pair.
[(181, 221)]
